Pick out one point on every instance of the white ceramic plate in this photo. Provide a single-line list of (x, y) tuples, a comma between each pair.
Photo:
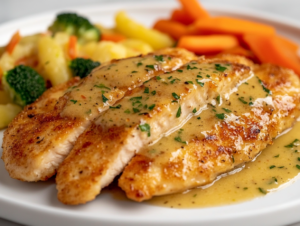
[(36, 203)]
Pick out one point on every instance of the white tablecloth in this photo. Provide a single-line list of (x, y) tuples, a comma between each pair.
[(13, 9)]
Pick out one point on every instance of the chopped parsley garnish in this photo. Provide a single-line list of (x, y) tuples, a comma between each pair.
[(139, 64), (275, 179), (226, 110), (218, 99), (189, 82), (175, 96), (242, 100), (178, 114), (180, 70), (276, 156), (298, 158), (271, 167), (151, 107), (159, 58), (170, 77), (116, 107), (178, 139), (145, 128), (104, 99), (262, 190), (199, 118), (136, 110), (199, 76), (134, 72), (200, 83), (89, 112), (146, 90), (127, 111), (158, 78), (220, 116), (194, 110), (136, 98), (250, 103), (150, 66), (74, 101), (291, 145), (174, 80), (220, 68), (101, 86), (232, 157), (153, 92), (265, 88), (280, 167), (208, 76), (191, 68), (245, 188), (246, 83), (298, 167)]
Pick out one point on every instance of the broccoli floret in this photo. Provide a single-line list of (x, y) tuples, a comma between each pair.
[(82, 67), (24, 84), (74, 24)]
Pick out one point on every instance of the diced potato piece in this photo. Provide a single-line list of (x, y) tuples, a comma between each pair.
[(4, 97), (131, 29), (106, 51), (62, 39), (7, 62), (7, 113), (88, 49), (52, 61), (137, 45)]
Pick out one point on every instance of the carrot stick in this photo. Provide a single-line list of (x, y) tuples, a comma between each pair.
[(273, 50), (172, 28), (233, 26), (112, 37), (15, 39), (238, 50), (181, 16), (290, 44), (72, 47), (194, 9), (207, 44)]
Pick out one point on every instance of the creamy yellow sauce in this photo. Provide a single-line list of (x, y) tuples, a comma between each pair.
[(274, 169)]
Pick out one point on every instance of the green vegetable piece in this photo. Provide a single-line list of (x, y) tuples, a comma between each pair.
[(194, 110), (73, 24), (24, 84), (145, 128), (291, 145), (189, 82), (134, 72), (82, 67)]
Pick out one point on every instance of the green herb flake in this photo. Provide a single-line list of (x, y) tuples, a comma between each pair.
[(298, 158), (74, 101), (190, 68), (232, 157), (139, 64), (151, 107), (242, 100), (153, 92), (136, 98), (89, 112), (200, 83), (134, 72), (291, 145), (146, 90), (101, 86), (263, 191), (194, 195), (159, 58), (220, 68), (174, 80), (180, 70), (189, 82), (298, 167), (175, 96), (178, 139), (127, 111), (194, 110), (145, 128), (250, 103), (158, 78), (245, 188), (104, 99), (136, 110), (220, 116), (265, 88), (199, 76), (280, 167), (271, 167), (276, 156), (275, 179), (150, 66), (116, 107), (246, 83), (226, 110), (199, 118), (178, 114), (218, 99)]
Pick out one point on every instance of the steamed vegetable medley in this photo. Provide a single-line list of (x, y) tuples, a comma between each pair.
[(72, 46)]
